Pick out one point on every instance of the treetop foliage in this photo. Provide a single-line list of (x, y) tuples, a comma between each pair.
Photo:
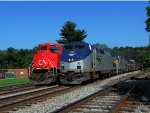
[(148, 18), (14, 58), (69, 33)]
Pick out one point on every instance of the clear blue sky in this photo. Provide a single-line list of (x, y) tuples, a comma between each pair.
[(27, 24)]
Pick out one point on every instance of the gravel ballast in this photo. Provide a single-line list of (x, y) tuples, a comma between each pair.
[(50, 105)]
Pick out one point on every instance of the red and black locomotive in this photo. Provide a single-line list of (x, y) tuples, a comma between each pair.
[(45, 64)]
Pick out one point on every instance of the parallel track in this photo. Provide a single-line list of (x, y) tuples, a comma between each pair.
[(12, 103), (139, 100), (16, 88), (108, 100)]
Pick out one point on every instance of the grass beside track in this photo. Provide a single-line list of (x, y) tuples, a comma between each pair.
[(147, 69), (11, 82)]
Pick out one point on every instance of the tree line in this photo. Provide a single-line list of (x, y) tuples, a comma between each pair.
[(16, 58), (21, 58)]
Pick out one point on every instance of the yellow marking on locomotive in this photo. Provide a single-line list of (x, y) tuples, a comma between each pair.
[(38, 68), (45, 68), (41, 68), (116, 61)]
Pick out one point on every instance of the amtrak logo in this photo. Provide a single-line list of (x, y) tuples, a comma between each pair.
[(71, 54)]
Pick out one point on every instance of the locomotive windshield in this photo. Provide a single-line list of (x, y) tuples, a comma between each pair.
[(43, 48), (79, 47), (68, 48), (54, 49), (76, 47)]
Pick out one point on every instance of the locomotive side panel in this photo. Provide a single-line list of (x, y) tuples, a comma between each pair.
[(104, 62)]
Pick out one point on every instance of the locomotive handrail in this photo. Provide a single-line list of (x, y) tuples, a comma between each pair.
[(53, 66), (51, 63)]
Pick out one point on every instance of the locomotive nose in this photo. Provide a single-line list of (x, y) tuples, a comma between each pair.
[(39, 63), (42, 63)]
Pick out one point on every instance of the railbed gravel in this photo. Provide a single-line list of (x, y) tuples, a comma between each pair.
[(52, 104)]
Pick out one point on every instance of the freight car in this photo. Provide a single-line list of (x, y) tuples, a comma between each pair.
[(81, 61), (45, 64)]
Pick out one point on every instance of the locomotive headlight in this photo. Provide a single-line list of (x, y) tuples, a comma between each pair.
[(78, 63), (70, 59)]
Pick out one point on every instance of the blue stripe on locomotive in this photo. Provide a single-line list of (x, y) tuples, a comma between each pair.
[(76, 54)]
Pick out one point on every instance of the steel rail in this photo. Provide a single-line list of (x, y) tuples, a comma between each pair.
[(121, 101), (33, 98), (77, 104), (15, 90)]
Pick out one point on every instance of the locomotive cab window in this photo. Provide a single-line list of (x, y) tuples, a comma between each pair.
[(54, 49), (68, 48), (79, 47), (43, 48)]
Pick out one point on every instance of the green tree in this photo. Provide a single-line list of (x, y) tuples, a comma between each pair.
[(148, 18), (146, 54), (14, 58), (11, 57), (69, 33)]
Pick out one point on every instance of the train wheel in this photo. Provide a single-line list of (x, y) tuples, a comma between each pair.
[(100, 76), (58, 81), (91, 77)]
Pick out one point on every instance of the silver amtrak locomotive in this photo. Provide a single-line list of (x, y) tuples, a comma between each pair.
[(81, 61)]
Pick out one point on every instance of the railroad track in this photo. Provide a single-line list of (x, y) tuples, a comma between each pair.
[(26, 99), (20, 101), (14, 86), (14, 89), (139, 100), (108, 100)]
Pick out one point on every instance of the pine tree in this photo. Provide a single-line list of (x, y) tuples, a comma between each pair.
[(69, 33), (148, 19)]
